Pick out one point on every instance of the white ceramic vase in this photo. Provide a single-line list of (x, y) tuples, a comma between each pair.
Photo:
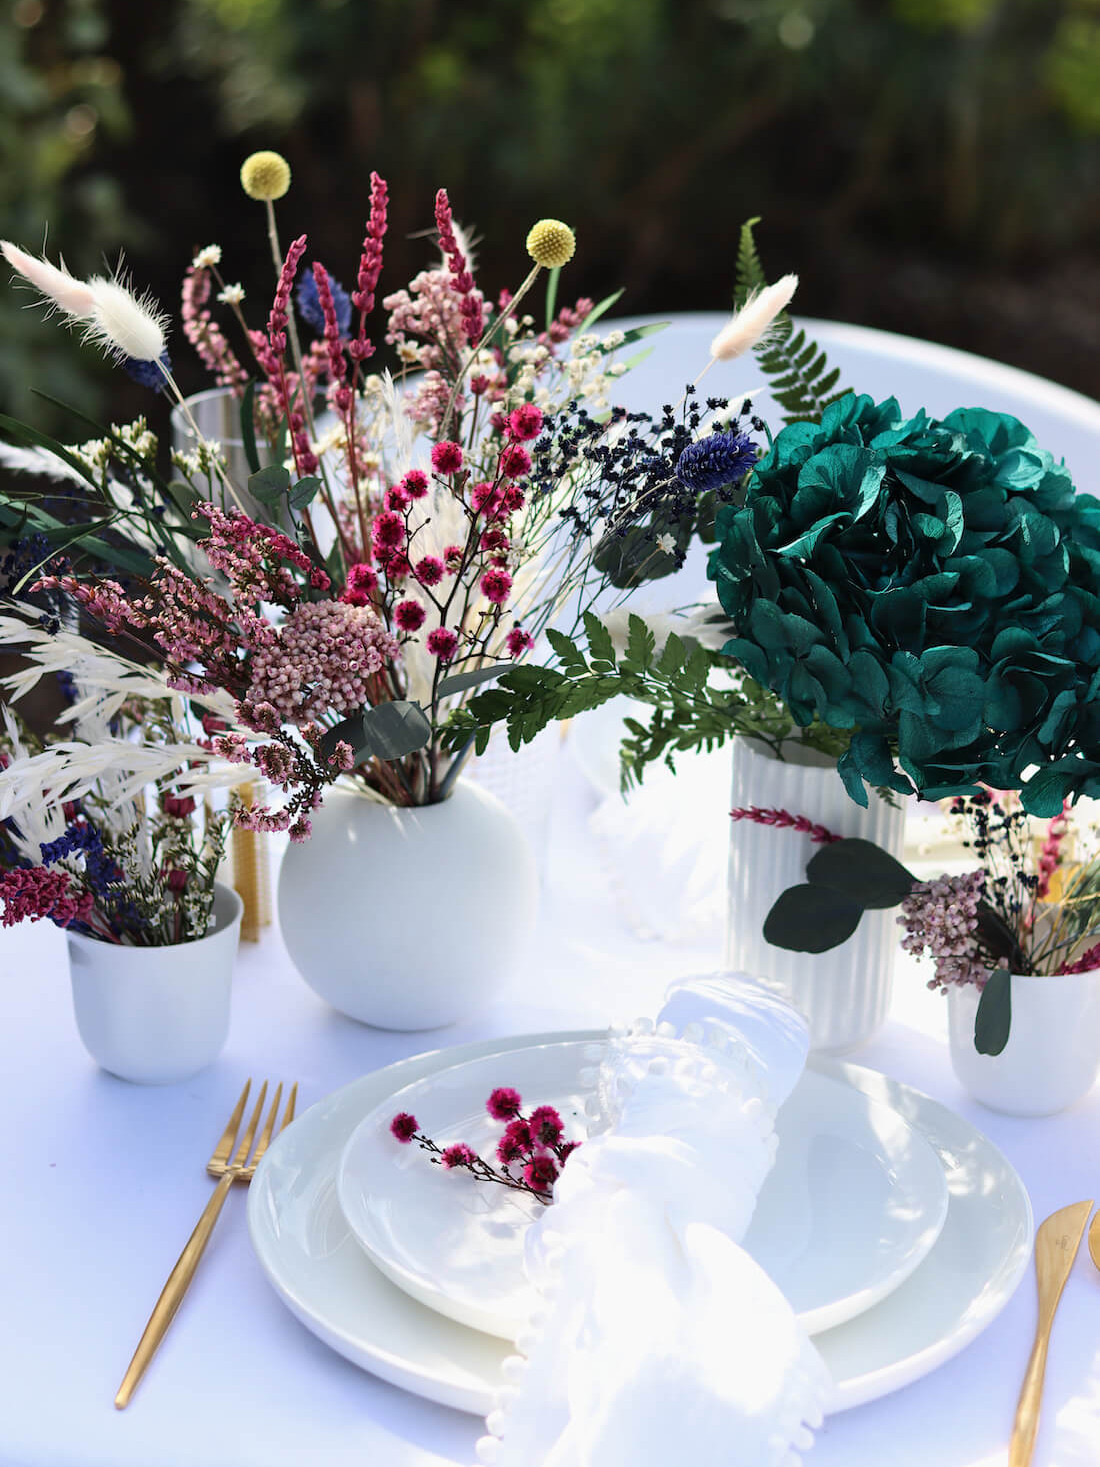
[(844, 993), (155, 1015), (1052, 1056), (409, 918)]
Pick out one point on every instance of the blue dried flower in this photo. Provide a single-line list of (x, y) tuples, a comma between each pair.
[(148, 374), (715, 461), (933, 586), (309, 304)]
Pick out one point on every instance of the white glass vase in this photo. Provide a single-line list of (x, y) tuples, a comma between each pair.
[(409, 918), (155, 1015), (844, 993), (1052, 1056)]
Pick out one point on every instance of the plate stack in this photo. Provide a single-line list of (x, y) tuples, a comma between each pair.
[(896, 1230)]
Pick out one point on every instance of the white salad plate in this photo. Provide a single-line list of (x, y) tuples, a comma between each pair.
[(316, 1266), (854, 1202)]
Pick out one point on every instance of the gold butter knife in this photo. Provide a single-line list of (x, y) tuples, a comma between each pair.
[(1056, 1245)]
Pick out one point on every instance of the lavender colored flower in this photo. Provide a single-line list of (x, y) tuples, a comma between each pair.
[(309, 304)]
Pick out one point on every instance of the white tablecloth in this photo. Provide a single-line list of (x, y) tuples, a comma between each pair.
[(104, 1180)]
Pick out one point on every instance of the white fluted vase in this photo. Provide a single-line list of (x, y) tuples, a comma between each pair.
[(844, 993)]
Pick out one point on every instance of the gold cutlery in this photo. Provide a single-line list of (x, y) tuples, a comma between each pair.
[(240, 1168), (1056, 1245), (1094, 1240)]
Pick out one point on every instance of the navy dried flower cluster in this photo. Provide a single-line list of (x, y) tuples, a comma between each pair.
[(933, 586), (644, 485)]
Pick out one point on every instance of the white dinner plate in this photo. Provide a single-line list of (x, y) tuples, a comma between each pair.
[(853, 1204), (307, 1250)]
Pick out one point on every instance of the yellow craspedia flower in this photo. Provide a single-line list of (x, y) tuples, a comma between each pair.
[(265, 175), (551, 243)]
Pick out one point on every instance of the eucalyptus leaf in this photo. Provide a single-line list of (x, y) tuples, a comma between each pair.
[(270, 484), (388, 731), (863, 872), (993, 1020), (463, 680), (304, 492), (811, 919)]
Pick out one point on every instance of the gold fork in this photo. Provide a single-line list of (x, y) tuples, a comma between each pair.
[(240, 1169)]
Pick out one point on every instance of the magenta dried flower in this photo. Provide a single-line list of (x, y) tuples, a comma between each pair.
[(457, 1155), (446, 457), (404, 1127), (546, 1125), (540, 1173), (518, 1134), (504, 1104)]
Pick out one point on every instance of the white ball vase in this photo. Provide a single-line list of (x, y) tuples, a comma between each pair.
[(409, 918)]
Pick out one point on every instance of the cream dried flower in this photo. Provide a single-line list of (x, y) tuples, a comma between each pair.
[(116, 320), (750, 324)]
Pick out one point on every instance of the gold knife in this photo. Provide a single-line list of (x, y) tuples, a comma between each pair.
[(1056, 1245)]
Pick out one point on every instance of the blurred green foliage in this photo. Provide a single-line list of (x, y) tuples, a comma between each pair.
[(923, 135)]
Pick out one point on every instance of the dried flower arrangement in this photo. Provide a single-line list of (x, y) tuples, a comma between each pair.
[(1023, 909), (409, 536), (535, 1144)]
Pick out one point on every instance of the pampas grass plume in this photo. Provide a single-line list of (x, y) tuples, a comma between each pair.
[(752, 321)]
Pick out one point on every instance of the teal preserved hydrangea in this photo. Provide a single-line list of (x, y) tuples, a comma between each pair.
[(933, 587)]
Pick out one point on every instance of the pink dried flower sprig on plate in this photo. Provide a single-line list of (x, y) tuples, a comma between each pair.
[(530, 1154)]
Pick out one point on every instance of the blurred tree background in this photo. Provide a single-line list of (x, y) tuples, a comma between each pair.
[(927, 166)]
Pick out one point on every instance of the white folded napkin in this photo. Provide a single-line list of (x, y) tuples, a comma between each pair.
[(659, 1340)]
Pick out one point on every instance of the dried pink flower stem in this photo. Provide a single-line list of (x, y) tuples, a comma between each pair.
[(760, 815)]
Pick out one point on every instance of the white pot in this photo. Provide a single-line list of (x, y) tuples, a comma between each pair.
[(157, 1014), (844, 993), (1052, 1056), (409, 918)]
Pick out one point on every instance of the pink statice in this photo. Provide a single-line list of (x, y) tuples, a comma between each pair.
[(518, 642), (504, 1104), (397, 498), (415, 483), (388, 532), (517, 1133), (941, 919), (404, 1127), (426, 320), (324, 659), (35, 892)]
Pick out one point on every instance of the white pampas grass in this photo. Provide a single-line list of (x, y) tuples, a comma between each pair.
[(116, 320), (748, 325)]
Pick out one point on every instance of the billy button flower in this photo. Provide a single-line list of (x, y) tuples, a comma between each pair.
[(551, 244), (265, 176)]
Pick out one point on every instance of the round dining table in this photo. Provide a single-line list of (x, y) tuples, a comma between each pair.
[(103, 1180)]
